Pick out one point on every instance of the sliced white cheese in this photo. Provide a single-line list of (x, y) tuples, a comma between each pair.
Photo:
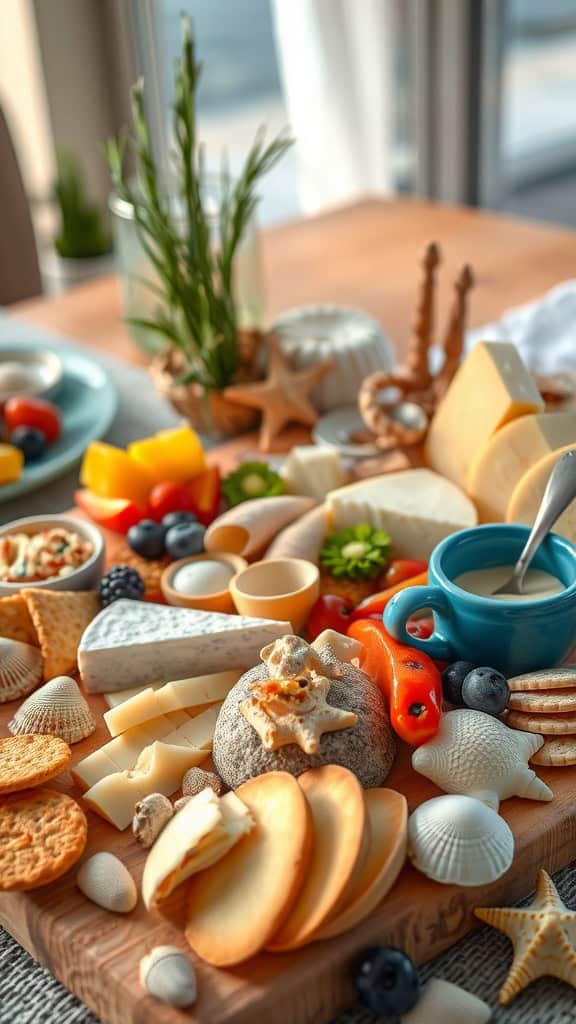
[(159, 769), (197, 836), (130, 642), (417, 507), (313, 471), (345, 647), (188, 694), (119, 696)]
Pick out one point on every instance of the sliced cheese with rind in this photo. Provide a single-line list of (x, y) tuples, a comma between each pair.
[(123, 751), (197, 836), (492, 387), (182, 694), (159, 769), (417, 507), (528, 494), (509, 454), (131, 642)]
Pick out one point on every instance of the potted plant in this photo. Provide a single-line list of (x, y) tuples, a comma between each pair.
[(83, 243), (191, 237)]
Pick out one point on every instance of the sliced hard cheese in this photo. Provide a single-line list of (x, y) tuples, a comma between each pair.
[(491, 388), (345, 647), (188, 694), (200, 834), (119, 696), (131, 642), (176, 728), (159, 769), (418, 508), (528, 494), (497, 470), (314, 470)]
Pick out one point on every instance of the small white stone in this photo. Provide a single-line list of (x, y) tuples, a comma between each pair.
[(168, 975), (107, 882), (448, 1003)]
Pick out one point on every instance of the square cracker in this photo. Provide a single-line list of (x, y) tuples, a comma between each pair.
[(60, 618), (15, 620)]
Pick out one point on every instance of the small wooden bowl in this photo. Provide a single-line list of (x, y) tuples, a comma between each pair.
[(277, 588), (217, 601)]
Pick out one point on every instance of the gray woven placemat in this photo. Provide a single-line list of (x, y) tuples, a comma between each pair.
[(30, 995)]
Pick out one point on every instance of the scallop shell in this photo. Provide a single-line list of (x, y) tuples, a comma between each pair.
[(56, 709), (247, 529), (458, 840), (442, 1001), (104, 880), (476, 755), (20, 669), (168, 975)]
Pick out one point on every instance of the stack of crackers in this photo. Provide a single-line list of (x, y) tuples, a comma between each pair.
[(544, 702), (53, 620)]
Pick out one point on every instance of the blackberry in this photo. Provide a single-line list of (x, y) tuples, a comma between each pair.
[(121, 581)]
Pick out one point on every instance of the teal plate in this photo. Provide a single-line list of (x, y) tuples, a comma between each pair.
[(87, 402)]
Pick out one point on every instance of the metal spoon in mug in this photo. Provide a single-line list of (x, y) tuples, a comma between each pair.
[(560, 492)]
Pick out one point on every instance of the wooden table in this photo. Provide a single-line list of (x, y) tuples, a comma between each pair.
[(364, 255)]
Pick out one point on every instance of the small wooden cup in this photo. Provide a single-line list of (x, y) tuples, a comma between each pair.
[(278, 588), (217, 601)]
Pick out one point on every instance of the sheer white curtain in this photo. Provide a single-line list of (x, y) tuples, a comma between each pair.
[(336, 61)]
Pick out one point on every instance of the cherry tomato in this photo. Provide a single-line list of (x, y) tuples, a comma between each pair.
[(33, 412), (330, 612), (401, 569), (169, 496), (421, 628)]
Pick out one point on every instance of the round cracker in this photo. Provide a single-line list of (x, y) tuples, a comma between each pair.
[(544, 702), (556, 753), (43, 835), (560, 678), (544, 725), (30, 760)]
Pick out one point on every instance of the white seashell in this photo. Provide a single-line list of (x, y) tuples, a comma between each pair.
[(196, 779), (168, 975), (248, 529), (107, 882), (476, 755), (448, 1003), (458, 840), (56, 709), (20, 669), (150, 816)]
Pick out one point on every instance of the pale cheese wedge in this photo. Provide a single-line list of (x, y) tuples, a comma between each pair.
[(119, 696), (341, 839), (175, 728), (159, 769), (528, 494), (196, 837), (182, 694), (313, 470), (345, 647), (388, 823), (236, 905)]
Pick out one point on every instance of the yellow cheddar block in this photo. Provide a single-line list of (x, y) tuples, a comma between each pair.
[(159, 769), (494, 475), (11, 462), (529, 492), (189, 694), (176, 728), (492, 387)]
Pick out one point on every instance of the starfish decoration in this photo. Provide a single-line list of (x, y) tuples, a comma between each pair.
[(283, 397), (543, 935), (294, 710)]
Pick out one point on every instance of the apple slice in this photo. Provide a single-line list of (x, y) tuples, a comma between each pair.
[(388, 819), (341, 840), (236, 905)]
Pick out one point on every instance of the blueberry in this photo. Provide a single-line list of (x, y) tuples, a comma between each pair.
[(485, 689), (147, 539), (452, 678), (185, 539), (386, 981), (121, 581), (30, 441), (175, 518)]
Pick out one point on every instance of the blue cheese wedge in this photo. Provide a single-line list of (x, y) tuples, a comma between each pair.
[(130, 642)]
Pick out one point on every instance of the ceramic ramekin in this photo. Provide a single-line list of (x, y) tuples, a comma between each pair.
[(217, 601), (85, 577), (278, 588)]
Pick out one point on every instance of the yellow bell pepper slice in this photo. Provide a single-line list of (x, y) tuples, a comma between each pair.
[(11, 462), (170, 455), (109, 472)]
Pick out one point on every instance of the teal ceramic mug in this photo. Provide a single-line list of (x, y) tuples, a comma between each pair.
[(512, 636)]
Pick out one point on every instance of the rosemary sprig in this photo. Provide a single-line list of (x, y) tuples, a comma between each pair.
[(198, 312)]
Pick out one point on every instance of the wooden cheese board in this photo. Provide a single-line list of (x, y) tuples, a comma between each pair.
[(96, 955)]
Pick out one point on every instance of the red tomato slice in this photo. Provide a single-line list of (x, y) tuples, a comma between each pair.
[(33, 412), (169, 496), (117, 514)]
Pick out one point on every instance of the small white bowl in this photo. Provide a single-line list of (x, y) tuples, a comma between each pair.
[(85, 577), (32, 372)]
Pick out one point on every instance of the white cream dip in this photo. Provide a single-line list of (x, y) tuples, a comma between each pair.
[(207, 576), (483, 582)]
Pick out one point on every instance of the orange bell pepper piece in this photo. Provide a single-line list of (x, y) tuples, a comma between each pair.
[(407, 677), (376, 603)]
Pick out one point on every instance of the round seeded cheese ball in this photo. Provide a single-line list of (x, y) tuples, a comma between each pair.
[(367, 748)]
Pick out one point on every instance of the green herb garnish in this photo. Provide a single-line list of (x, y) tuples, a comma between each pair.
[(252, 480), (357, 552)]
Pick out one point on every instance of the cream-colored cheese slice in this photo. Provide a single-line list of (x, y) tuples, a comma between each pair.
[(345, 647), (182, 694), (159, 769), (200, 834)]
